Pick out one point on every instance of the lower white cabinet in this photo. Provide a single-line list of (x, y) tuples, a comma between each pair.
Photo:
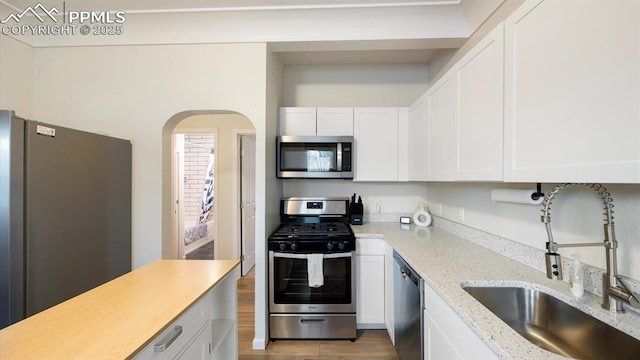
[(388, 292), (370, 290), (446, 336), (206, 330), (198, 349)]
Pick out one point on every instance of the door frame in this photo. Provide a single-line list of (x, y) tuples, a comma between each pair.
[(237, 179)]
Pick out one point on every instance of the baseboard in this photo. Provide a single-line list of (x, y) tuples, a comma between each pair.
[(259, 344)]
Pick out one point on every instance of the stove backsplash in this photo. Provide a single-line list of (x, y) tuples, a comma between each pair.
[(383, 202)]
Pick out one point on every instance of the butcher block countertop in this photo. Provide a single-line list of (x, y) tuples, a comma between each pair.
[(117, 319)]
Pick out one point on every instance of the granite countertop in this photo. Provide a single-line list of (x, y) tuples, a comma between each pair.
[(446, 262)]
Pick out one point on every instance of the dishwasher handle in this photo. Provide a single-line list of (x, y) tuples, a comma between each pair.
[(406, 271)]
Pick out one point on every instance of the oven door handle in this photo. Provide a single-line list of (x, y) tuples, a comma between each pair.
[(304, 256)]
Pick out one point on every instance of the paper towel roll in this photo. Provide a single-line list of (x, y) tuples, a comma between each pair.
[(421, 217), (519, 196)]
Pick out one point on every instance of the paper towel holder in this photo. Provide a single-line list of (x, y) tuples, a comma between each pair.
[(538, 194)]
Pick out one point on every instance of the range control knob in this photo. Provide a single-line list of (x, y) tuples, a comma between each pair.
[(330, 245), (282, 246), (294, 246), (340, 245)]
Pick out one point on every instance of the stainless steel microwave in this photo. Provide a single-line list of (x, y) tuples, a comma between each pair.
[(314, 157)]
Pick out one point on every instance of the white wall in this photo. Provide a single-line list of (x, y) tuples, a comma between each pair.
[(392, 197), (270, 203), (576, 216), (353, 85), (16, 77), (140, 93), (226, 124)]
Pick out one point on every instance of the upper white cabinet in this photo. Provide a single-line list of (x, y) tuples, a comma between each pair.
[(572, 89), (441, 111), (417, 140), (310, 121), (334, 121), (297, 121), (376, 133), (479, 118)]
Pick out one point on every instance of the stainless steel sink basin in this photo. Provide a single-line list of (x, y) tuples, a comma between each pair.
[(555, 325)]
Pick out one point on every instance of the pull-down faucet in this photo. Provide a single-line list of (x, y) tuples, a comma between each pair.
[(614, 291)]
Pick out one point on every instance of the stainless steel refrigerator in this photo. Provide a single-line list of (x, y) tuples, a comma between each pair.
[(65, 214)]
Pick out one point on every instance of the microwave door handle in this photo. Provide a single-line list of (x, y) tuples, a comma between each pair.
[(339, 157)]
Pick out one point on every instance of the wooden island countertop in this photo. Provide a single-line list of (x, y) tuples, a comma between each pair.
[(117, 319)]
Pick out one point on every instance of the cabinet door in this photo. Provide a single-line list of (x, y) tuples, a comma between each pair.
[(436, 343), (388, 293), (376, 137), (572, 88), (198, 349), (417, 143), (479, 120), (297, 121), (446, 334), (334, 121), (370, 291), (441, 109)]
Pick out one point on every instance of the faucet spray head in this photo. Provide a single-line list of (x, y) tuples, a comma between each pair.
[(554, 266)]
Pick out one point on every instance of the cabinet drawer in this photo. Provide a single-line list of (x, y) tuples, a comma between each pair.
[(178, 334), (370, 246)]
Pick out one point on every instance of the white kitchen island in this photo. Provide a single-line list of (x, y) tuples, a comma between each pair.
[(167, 309)]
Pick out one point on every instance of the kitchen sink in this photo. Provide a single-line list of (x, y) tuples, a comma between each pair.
[(555, 325)]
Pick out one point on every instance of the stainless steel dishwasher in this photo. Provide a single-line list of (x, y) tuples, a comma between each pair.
[(407, 302)]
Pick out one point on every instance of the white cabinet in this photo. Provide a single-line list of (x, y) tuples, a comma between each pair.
[(388, 292), (441, 110), (446, 336), (198, 349), (206, 330), (417, 140), (297, 121), (479, 117), (177, 336), (572, 88), (376, 133), (370, 286), (334, 121), (310, 121)]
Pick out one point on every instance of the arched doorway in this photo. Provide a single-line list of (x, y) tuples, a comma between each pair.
[(224, 228)]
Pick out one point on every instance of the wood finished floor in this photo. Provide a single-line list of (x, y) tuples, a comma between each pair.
[(371, 344), (204, 252)]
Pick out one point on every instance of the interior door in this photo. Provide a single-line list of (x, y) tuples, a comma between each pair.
[(248, 201)]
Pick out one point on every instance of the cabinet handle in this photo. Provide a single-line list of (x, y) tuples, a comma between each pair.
[(168, 340), (311, 321)]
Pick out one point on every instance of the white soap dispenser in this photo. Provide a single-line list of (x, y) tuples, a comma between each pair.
[(576, 281)]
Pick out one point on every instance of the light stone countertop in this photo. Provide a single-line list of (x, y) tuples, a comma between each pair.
[(446, 261)]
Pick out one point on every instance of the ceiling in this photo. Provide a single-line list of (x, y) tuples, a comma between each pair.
[(151, 6), (300, 31)]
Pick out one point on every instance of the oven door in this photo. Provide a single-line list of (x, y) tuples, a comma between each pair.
[(289, 290)]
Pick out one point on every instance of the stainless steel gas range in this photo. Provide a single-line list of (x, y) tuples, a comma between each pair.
[(312, 271)]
